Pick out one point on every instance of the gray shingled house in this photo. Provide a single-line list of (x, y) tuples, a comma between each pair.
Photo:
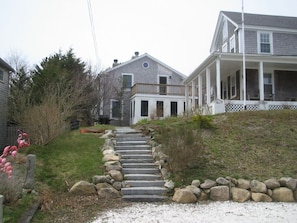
[(5, 70), (268, 45), (142, 88)]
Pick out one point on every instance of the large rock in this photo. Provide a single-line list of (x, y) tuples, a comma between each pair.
[(184, 196), (283, 194), (258, 187), (101, 179), (100, 186), (113, 165), (83, 188), (295, 194), (203, 196), (272, 183), (220, 193), (288, 182), (109, 193), (260, 197), (195, 190), (196, 183), (244, 184), (116, 175), (108, 151), (222, 181), (240, 195), (110, 157), (169, 184), (208, 184)]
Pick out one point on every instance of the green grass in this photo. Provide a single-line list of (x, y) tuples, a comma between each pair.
[(251, 145), (66, 160)]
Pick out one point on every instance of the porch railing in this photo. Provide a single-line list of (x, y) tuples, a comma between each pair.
[(158, 89)]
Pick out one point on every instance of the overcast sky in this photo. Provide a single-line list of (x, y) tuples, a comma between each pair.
[(176, 32)]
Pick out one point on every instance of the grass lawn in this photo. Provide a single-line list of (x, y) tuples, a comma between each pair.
[(66, 160)]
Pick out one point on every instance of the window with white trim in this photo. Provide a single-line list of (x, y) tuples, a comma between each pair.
[(232, 44), (225, 48), (127, 81), (267, 85), (144, 108), (116, 109), (264, 42)]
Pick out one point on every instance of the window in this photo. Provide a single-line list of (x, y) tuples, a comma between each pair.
[(232, 44), (173, 108), (145, 65), (115, 109), (144, 108), (160, 109), (224, 48), (127, 81), (1, 75), (233, 86), (163, 83), (264, 42)]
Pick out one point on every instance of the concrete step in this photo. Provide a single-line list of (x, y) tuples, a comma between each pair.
[(139, 165), (136, 156), (145, 183), (138, 160), (134, 152), (143, 191), (131, 138), (144, 198), (140, 170), (143, 177), (131, 143), (134, 147)]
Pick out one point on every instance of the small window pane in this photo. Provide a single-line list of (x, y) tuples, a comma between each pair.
[(144, 108), (127, 81)]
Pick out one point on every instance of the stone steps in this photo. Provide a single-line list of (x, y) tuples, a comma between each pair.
[(143, 179)]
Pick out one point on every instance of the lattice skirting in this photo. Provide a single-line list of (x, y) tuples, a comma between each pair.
[(281, 107)]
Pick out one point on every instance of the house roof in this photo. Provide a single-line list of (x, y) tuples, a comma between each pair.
[(5, 65), (284, 22), (150, 57)]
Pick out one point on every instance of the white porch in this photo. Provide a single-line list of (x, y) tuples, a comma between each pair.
[(219, 84)]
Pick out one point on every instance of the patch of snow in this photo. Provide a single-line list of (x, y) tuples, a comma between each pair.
[(213, 212)]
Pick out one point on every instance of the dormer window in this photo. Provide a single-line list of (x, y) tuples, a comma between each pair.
[(265, 42), (232, 44)]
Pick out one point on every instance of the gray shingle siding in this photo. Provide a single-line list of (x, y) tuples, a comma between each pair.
[(3, 108), (285, 44), (251, 42)]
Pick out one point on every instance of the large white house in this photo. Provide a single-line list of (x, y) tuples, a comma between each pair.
[(251, 66)]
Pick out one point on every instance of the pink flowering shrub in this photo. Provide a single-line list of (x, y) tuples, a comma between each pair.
[(22, 141)]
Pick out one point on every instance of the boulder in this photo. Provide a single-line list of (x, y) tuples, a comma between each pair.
[(283, 194), (106, 147), (108, 134), (165, 173), (272, 183), (288, 182), (83, 188), (196, 183), (113, 165), (240, 195), (208, 184), (101, 179), (108, 142), (109, 193), (258, 187), (108, 151), (195, 190), (116, 175), (203, 196), (220, 193), (222, 181), (260, 197), (244, 184), (100, 186), (184, 196), (169, 184), (110, 157)]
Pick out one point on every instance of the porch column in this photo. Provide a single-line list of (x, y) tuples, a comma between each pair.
[(187, 97), (193, 93), (208, 96), (261, 81), (218, 78), (200, 90)]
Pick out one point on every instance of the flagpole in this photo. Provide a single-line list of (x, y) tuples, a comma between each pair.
[(243, 58)]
